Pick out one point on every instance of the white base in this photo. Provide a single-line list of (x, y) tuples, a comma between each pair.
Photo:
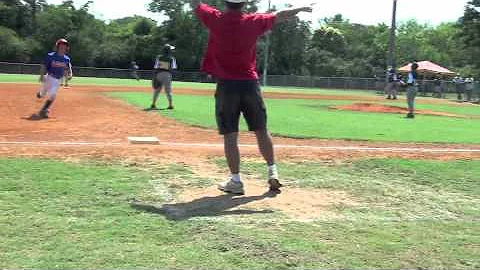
[(143, 140)]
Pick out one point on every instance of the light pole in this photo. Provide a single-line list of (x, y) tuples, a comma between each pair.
[(267, 48), (392, 59)]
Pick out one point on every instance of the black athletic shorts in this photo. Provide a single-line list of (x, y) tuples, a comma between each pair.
[(239, 97)]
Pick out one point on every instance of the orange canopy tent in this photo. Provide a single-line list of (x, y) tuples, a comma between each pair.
[(428, 68)]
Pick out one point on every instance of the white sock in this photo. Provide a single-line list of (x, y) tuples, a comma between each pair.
[(236, 178), (272, 171)]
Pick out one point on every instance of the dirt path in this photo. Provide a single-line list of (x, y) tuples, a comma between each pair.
[(83, 114), (381, 108), (86, 124)]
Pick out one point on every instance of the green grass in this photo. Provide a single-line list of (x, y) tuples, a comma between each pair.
[(411, 214), (313, 119), (15, 78), (465, 109)]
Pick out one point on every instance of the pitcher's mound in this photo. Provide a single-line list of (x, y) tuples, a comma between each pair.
[(380, 108)]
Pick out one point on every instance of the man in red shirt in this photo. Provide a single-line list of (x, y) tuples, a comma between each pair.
[(231, 58)]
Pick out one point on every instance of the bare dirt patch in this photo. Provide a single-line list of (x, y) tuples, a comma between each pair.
[(381, 108), (300, 204), (85, 114)]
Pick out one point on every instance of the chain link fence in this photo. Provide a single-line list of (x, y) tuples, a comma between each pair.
[(427, 87)]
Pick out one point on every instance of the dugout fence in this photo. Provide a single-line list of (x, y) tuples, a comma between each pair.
[(345, 83)]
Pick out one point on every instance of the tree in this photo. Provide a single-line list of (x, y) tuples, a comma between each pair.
[(34, 7), (13, 15), (29, 28), (329, 39), (470, 34), (289, 41), (143, 27), (13, 47)]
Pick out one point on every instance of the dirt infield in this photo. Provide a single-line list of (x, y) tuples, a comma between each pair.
[(380, 108), (86, 124), (84, 114)]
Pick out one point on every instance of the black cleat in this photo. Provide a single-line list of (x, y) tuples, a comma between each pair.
[(274, 186), (43, 114)]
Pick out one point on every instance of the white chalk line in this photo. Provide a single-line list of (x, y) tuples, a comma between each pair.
[(211, 145)]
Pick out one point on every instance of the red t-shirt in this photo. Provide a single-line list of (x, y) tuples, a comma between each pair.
[(232, 44)]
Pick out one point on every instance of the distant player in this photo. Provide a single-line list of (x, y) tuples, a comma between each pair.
[(392, 84), (134, 70), (52, 72), (412, 89), (162, 78), (438, 84), (469, 87), (459, 86)]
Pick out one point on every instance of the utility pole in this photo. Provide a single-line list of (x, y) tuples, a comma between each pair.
[(267, 49), (392, 59)]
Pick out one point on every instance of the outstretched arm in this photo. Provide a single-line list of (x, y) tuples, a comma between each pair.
[(288, 14)]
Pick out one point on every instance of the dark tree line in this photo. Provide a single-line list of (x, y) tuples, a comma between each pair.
[(337, 48)]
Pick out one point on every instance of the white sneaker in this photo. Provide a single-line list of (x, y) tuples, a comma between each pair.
[(232, 187)]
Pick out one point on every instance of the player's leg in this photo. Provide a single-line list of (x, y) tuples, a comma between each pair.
[(53, 84), (156, 94), (43, 88), (157, 87), (232, 152), (389, 90), (411, 94), (167, 82), (227, 111), (255, 113), (469, 92)]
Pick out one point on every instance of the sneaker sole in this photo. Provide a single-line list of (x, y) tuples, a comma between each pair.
[(231, 192)]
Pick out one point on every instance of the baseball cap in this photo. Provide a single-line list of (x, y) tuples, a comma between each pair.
[(171, 47)]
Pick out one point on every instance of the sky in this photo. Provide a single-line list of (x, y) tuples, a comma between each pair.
[(365, 12)]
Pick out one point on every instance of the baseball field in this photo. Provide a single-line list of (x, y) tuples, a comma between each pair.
[(365, 187)]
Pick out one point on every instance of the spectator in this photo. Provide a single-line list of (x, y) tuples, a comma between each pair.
[(469, 87)]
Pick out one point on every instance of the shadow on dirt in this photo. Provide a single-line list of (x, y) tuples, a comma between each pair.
[(34, 117), (205, 207)]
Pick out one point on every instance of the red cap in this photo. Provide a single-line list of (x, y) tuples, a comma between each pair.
[(61, 41)]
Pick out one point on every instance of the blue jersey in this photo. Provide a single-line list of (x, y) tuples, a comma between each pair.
[(56, 64)]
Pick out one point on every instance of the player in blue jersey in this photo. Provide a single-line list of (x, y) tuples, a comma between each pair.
[(51, 74)]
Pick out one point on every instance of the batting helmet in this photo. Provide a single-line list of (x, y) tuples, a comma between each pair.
[(61, 41)]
